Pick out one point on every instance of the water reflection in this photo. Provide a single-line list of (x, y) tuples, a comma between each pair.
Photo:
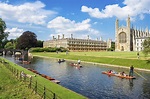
[(90, 82)]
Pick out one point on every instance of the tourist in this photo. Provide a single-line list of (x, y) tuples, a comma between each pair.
[(23, 74), (123, 74), (66, 52), (131, 71), (110, 71), (59, 61), (79, 61), (138, 55)]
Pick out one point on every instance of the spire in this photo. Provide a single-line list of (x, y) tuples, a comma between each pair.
[(128, 22), (117, 25), (146, 30)]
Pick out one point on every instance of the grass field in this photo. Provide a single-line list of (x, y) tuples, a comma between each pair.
[(11, 88), (113, 58)]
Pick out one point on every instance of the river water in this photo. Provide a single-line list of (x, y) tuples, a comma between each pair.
[(89, 80)]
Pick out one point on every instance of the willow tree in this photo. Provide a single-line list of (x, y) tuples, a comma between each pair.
[(3, 34)]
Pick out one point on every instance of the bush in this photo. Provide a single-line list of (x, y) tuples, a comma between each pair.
[(50, 49)]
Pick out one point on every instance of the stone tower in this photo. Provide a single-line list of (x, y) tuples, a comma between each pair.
[(123, 36)]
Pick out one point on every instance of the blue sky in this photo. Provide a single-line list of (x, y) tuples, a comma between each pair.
[(96, 18)]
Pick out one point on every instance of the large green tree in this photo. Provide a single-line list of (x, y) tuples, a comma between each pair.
[(146, 45), (27, 40), (3, 34)]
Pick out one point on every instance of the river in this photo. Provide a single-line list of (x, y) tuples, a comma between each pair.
[(89, 80)]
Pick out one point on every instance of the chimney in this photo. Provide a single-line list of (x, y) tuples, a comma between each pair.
[(63, 36), (58, 37)]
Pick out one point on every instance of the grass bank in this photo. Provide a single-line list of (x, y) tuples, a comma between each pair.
[(59, 91), (114, 58), (11, 88)]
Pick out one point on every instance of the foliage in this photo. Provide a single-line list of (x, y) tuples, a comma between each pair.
[(27, 40), (50, 49), (146, 45), (3, 34), (112, 47), (39, 43), (9, 45)]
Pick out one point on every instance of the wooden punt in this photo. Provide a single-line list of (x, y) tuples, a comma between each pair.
[(34, 71), (118, 75), (110, 74), (45, 76), (55, 81), (127, 77), (76, 65), (26, 62)]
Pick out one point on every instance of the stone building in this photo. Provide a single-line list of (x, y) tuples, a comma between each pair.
[(74, 44), (129, 39)]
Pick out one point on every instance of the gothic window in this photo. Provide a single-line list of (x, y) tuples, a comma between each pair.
[(122, 37)]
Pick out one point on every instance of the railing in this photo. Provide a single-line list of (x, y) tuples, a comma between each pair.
[(33, 84)]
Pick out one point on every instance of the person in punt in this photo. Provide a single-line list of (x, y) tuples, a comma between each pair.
[(123, 74), (131, 71), (110, 71)]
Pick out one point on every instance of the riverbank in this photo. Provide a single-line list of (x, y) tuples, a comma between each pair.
[(60, 92), (139, 64), (12, 88)]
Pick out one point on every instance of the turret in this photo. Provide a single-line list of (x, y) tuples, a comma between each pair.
[(117, 24), (71, 35), (128, 22), (63, 36), (116, 32)]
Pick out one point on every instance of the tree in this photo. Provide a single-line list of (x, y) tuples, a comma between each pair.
[(9, 45), (27, 40), (3, 34), (146, 45), (39, 43)]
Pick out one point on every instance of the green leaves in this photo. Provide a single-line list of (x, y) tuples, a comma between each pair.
[(27, 40), (3, 34), (146, 45)]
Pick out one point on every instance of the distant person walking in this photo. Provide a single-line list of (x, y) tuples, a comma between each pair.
[(138, 55), (131, 71)]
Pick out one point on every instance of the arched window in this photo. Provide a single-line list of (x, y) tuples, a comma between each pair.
[(122, 37)]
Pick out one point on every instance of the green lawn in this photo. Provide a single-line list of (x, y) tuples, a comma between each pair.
[(11, 88), (113, 58)]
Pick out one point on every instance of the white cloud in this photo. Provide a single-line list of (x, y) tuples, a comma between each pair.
[(33, 13), (131, 7), (14, 32), (61, 25)]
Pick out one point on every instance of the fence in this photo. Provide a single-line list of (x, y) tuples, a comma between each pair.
[(37, 88)]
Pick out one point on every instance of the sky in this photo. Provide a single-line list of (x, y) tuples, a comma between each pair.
[(96, 18)]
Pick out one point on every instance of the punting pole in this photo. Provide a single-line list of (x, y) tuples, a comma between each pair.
[(140, 75)]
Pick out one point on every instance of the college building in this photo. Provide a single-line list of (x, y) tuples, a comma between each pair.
[(75, 44), (129, 39)]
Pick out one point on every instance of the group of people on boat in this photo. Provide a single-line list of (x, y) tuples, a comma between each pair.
[(59, 60), (123, 73)]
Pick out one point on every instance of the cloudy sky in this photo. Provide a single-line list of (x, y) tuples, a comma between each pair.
[(96, 18)]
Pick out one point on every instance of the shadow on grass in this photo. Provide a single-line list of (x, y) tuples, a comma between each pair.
[(148, 61)]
